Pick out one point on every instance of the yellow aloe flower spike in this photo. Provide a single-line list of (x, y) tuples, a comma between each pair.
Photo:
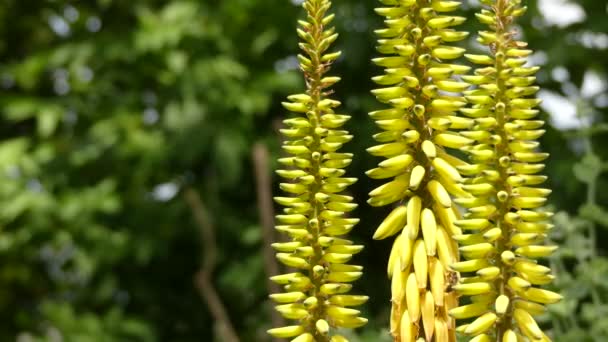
[(505, 226), (419, 127), (316, 214)]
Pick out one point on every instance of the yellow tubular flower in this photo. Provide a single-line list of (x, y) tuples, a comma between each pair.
[(419, 126), (316, 213), (505, 229)]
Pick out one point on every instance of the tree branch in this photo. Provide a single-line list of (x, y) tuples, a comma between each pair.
[(203, 278), (266, 212)]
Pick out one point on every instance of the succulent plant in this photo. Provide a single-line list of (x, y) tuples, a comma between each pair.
[(316, 214)]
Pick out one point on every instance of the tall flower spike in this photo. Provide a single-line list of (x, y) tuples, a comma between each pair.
[(316, 214), (419, 128), (505, 228)]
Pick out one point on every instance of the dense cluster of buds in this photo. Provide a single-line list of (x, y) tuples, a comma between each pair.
[(418, 128), (461, 173), (504, 225), (315, 216)]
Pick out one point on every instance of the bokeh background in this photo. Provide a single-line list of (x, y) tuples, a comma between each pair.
[(138, 139)]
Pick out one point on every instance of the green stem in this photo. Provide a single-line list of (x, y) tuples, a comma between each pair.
[(313, 81), (420, 123), (590, 201), (502, 150)]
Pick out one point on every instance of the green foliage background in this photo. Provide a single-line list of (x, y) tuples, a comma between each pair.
[(109, 109)]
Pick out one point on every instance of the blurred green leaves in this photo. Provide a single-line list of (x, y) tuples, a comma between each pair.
[(588, 169), (102, 103), (106, 103), (69, 326), (164, 29)]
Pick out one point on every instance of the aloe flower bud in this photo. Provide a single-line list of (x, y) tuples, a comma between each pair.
[(419, 127), (316, 214), (504, 226)]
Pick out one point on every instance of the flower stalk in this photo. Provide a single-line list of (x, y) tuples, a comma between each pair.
[(505, 226), (316, 214), (419, 128)]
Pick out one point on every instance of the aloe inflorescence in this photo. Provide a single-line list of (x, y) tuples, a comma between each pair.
[(505, 227), (419, 128), (315, 216)]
